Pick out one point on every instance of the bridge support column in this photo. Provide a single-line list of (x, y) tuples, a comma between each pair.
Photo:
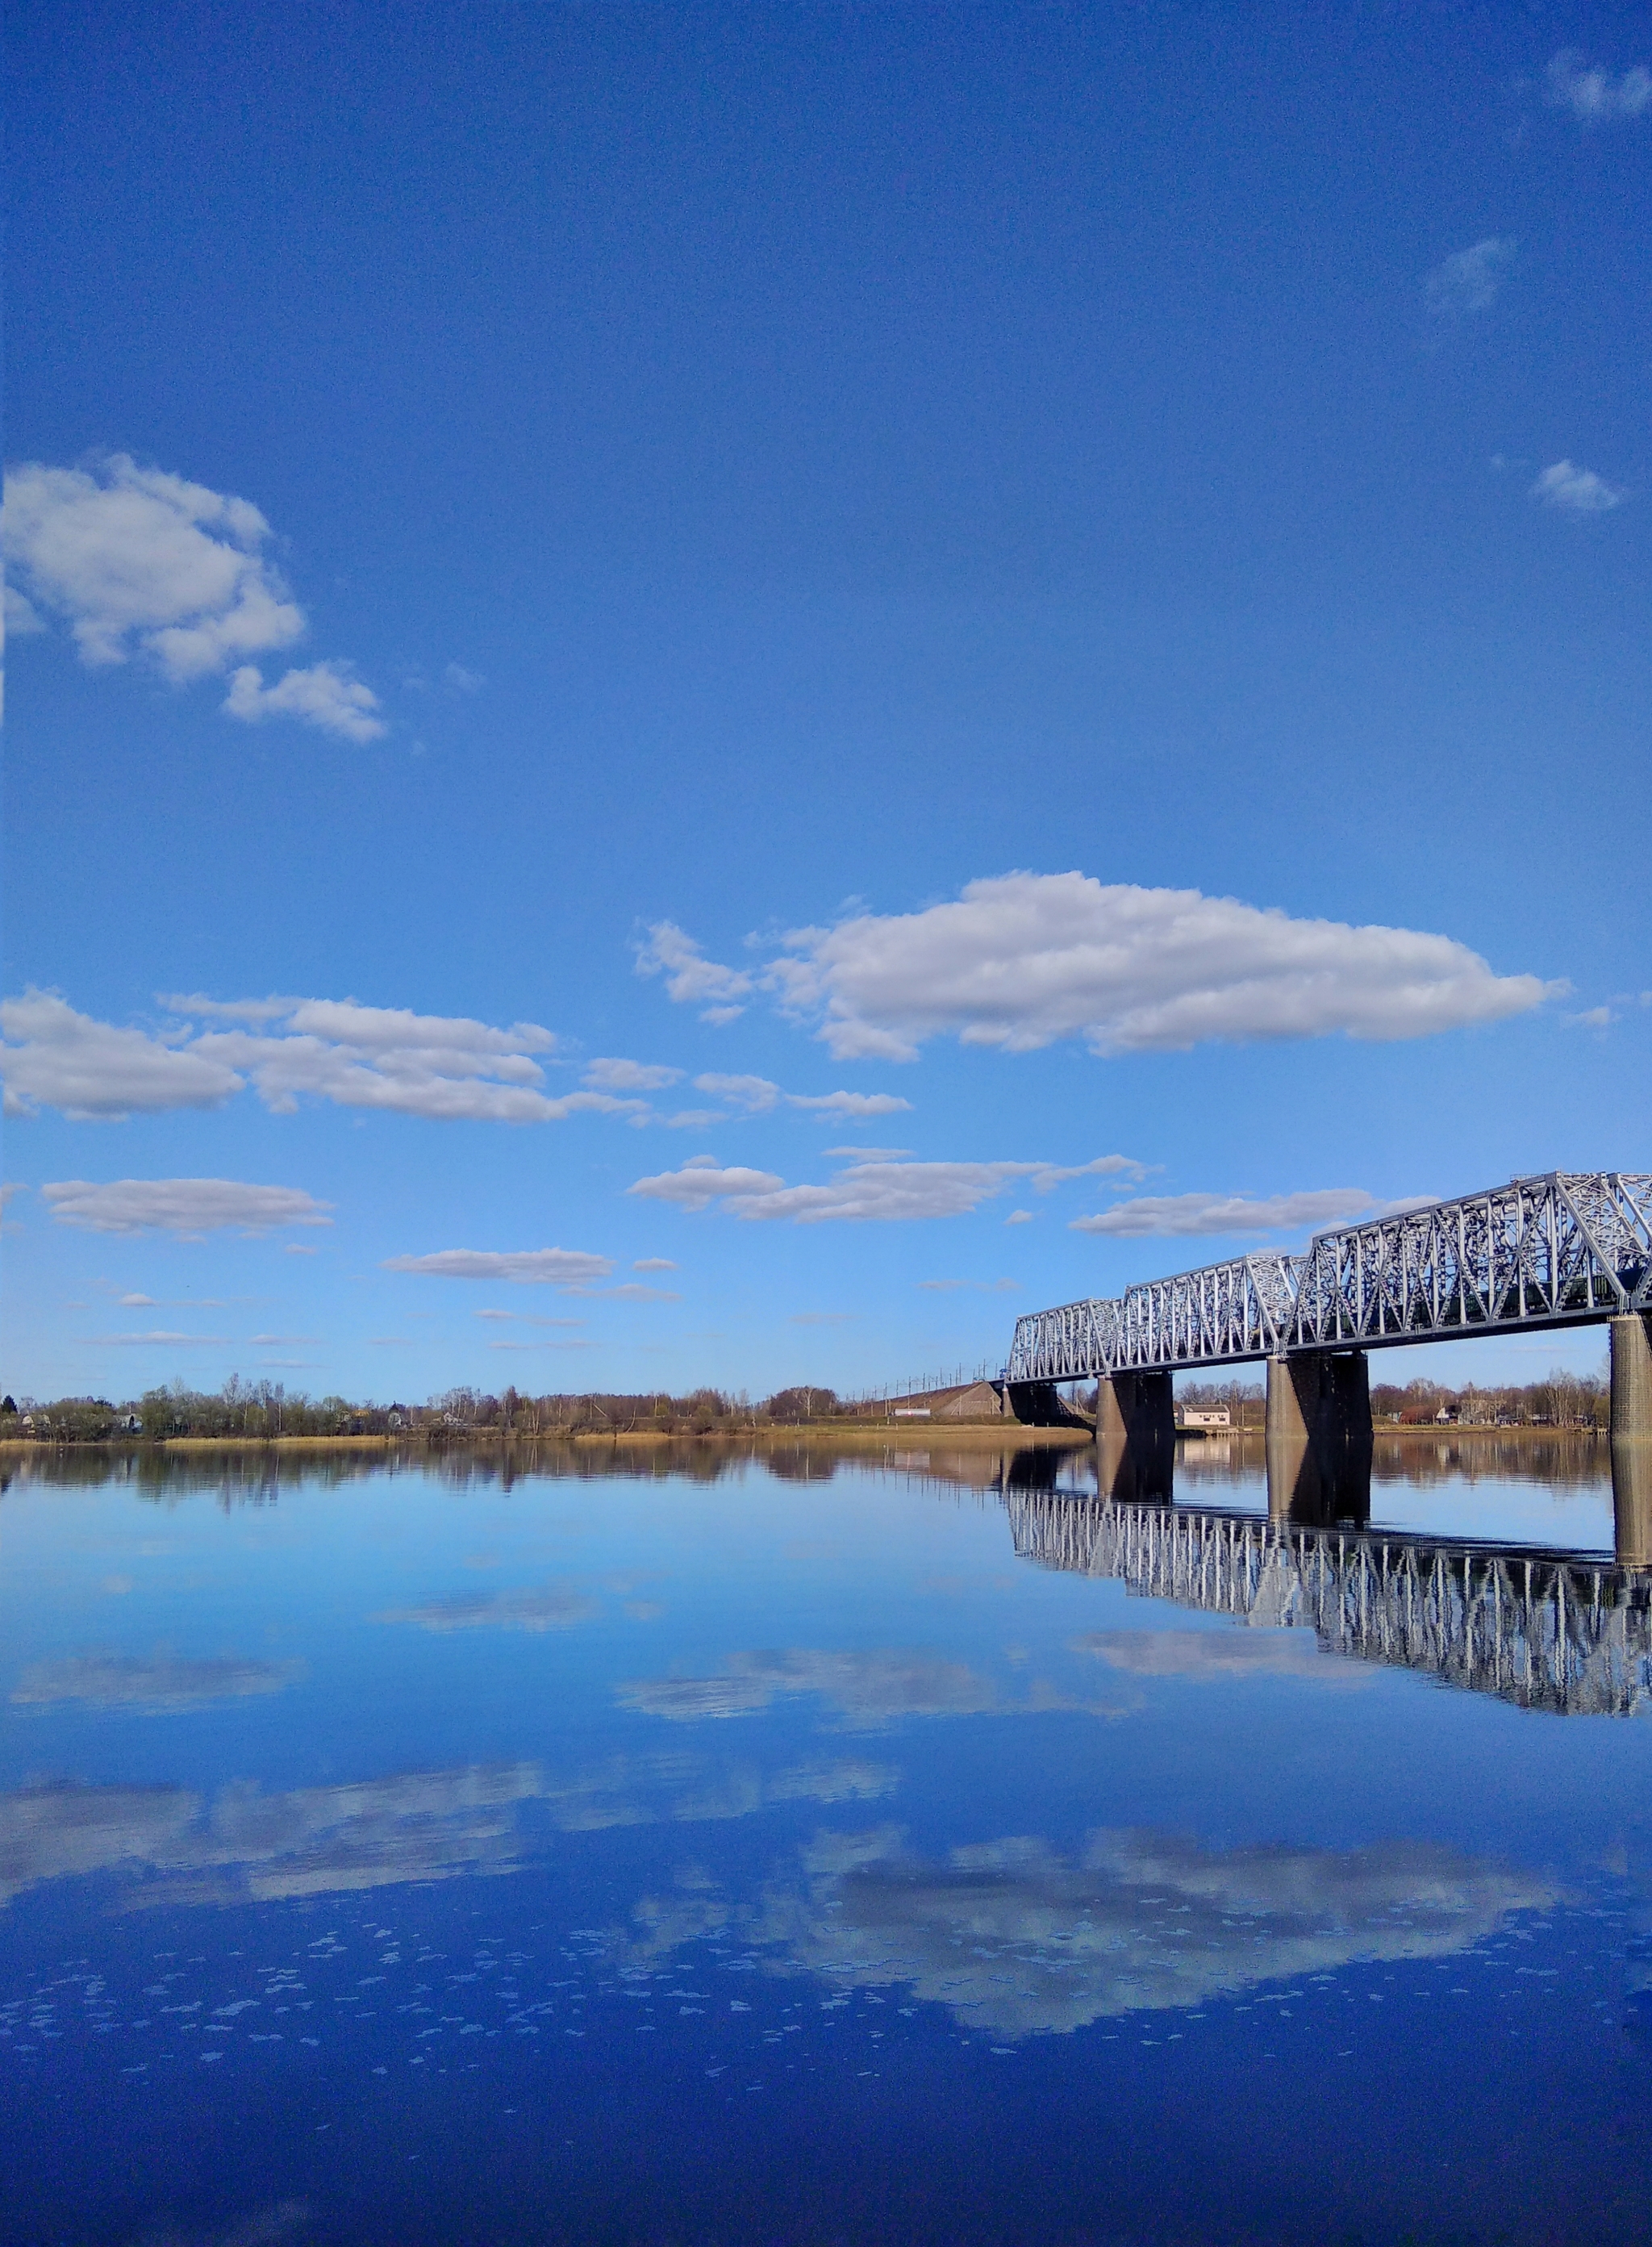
[(1319, 1436), (1136, 1407), (1632, 1378), (1136, 1435), (1632, 1440)]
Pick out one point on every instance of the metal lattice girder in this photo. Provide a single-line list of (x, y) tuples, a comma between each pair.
[(1569, 1634), (1559, 1250)]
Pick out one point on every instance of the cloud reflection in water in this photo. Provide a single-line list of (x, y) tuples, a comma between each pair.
[(1014, 1939)]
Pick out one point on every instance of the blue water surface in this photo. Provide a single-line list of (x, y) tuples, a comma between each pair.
[(741, 1849)]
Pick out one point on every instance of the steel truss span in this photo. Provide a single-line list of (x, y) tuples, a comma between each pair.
[(1549, 1632), (1564, 1249)]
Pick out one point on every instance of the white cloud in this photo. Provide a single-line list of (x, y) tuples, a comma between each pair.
[(138, 561), (1576, 491), (463, 681), (1468, 281), (553, 1268), (1022, 959), (54, 1057), (833, 1107), (702, 1180), (692, 1119), (1021, 1217), (181, 1205), (609, 1073), (871, 1154), (325, 695), (22, 618), (754, 1095), (653, 1263), (1163, 1217), (1592, 94), (691, 978), (444, 1067), (134, 559), (526, 1319), (887, 1191)]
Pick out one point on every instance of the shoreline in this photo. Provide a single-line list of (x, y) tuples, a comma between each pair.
[(908, 1436)]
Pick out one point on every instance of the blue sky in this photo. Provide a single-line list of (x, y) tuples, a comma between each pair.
[(717, 695)]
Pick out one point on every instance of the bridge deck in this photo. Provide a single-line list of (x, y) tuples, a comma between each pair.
[(1567, 1248)]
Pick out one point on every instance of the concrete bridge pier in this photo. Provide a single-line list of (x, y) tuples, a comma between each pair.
[(1318, 1437), (1135, 1436), (1632, 1376), (1632, 1440)]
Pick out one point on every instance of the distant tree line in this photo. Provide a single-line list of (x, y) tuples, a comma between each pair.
[(257, 1410), (1561, 1400)]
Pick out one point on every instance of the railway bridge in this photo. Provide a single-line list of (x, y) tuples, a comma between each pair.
[(1561, 1249)]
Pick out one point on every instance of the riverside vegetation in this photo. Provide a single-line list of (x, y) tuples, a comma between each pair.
[(267, 1411)]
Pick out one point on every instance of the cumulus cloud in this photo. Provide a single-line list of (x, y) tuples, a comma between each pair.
[(610, 1073), (326, 694), (1592, 94), (754, 1095), (188, 1206), (444, 1067), (1576, 491), (834, 1107), (138, 562), (702, 1180), (1468, 281), (568, 1268), (552, 1606), (1022, 959), (448, 1067), (691, 978), (1164, 1217), (887, 1191), (53, 1058), (653, 1263), (158, 1685), (1017, 1940), (865, 1689)]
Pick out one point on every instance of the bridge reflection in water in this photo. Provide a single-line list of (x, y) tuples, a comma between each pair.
[(1327, 1484), (1563, 1632)]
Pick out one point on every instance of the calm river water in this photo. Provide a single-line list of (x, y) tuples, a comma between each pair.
[(813, 1850)]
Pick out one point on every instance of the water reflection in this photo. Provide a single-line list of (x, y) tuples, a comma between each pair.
[(172, 1845), (1569, 1634), (1014, 1939), (374, 1872)]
